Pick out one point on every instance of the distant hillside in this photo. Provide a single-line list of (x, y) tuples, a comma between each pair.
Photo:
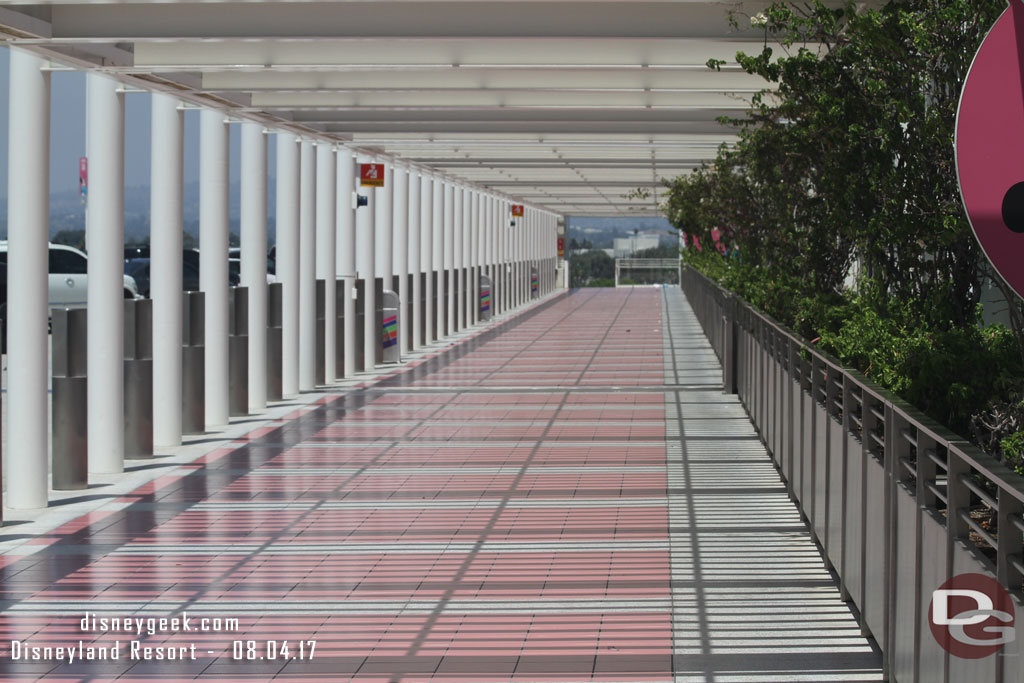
[(600, 233), (67, 212)]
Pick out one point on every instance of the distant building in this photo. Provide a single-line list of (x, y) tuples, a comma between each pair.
[(625, 247)]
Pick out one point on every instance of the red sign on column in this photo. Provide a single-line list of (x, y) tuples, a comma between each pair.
[(371, 175), (561, 247), (517, 209)]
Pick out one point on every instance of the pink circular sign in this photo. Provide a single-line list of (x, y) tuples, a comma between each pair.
[(990, 145)]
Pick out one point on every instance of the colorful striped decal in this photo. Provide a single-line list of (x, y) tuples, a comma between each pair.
[(534, 282), (485, 299), (389, 331)]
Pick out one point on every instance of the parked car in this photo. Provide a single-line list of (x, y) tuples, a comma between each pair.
[(191, 256), (136, 251), (139, 269), (68, 277), (235, 264)]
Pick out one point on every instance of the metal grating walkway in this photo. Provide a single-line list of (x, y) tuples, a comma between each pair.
[(565, 497)]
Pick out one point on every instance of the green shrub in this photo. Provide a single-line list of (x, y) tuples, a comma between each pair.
[(1013, 450)]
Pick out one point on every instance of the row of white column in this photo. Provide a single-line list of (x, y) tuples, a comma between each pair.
[(418, 222)]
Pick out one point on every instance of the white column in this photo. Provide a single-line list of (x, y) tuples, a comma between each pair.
[(465, 261), (457, 255), (474, 259), (487, 241), (503, 259), (517, 255), (253, 227), (365, 268), (28, 225), (213, 259), (288, 258), (400, 222), (383, 212), (165, 268), (438, 253), (522, 244), (415, 267), (427, 251), (491, 256), (307, 266), (105, 223), (449, 250), (496, 253), (326, 250), (528, 244), (510, 256), (345, 253)]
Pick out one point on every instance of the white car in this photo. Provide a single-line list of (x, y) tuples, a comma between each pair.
[(68, 277)]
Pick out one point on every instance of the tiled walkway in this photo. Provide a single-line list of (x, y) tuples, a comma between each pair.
[(567, 497)]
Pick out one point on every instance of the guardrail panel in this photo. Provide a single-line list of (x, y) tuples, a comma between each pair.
[(898, 503), (932, 573), (836, 492), (1012, 655), (853, 536), (967, 560), (905, 587), (875, 540), (796, 431), (810, 441)]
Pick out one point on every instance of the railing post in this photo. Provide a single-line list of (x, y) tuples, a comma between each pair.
[(729, 345)]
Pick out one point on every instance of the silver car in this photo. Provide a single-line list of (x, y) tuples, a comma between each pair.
[(68, 277)]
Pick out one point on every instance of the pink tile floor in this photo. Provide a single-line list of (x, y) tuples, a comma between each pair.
[(496, 514)]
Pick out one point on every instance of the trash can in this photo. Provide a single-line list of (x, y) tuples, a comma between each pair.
[(485, 298), (392, 353), (70, 428), (378, 315)]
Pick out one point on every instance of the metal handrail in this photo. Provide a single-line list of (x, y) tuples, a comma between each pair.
[(866, 500)]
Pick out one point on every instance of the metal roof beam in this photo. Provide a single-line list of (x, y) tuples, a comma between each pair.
[(395, 19)]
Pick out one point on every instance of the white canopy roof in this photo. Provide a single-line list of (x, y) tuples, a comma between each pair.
[(568, 105)]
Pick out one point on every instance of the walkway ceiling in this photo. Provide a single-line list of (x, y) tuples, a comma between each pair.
[(569, 105)]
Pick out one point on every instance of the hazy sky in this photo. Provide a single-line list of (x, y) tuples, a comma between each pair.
[(67, 133)]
